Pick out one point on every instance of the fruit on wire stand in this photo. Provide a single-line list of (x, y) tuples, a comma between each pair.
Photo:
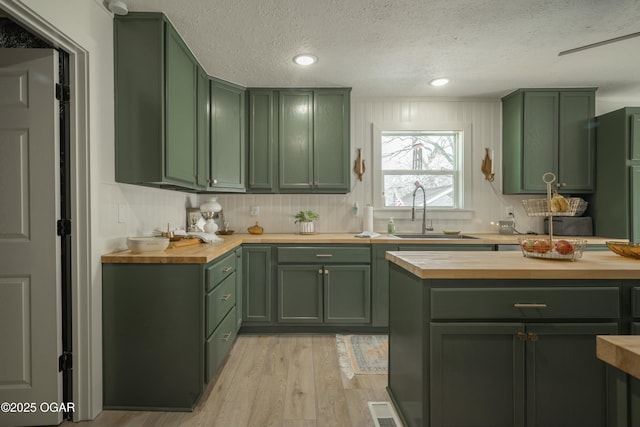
[(564, 247), (527, 245), (541, 246)]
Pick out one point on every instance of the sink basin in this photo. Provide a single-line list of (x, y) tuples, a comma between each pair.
[(434, 236)]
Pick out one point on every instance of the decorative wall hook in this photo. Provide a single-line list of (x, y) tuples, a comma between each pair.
[(359, 166), (487, 165)]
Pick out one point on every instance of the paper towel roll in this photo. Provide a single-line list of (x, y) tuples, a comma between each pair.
[(368, 219)]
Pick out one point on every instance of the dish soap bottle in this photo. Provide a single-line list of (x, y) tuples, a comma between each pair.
[(391, 227)]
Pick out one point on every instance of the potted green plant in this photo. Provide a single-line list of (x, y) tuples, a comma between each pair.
[(307, 220)]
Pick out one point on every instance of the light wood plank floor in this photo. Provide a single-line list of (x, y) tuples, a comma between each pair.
[(271, 381)]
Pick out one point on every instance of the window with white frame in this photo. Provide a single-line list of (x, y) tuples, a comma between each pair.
[(429, 158)]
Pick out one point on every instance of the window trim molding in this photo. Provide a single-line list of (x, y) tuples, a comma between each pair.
[(466, 141)]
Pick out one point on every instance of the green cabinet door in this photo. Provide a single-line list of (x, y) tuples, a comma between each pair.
[(634, 202), (539, 139), (300, 293), (227, 166), (295, 139), (548, 130), (347, 294), (263, 125), (155, 103), (256, 284), (239, 285), (576, 144), (180, 104), (203, 107), (380, 285), (477, 375), (331, 170), (567, 385)]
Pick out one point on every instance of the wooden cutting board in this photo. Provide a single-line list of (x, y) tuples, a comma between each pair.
[(184, 242)]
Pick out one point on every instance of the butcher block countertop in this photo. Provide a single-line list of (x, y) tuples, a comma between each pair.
[(204, 253), (620, 351), (512, 265)]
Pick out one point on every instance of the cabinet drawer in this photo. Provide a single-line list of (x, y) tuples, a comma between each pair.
[(219, 301), (525, 303), (324, 255), (220, 270), (219, 343)]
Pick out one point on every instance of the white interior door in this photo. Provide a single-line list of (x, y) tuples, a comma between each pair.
[(30, 318)]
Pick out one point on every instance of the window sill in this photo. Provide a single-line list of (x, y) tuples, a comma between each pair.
[(405, 213)]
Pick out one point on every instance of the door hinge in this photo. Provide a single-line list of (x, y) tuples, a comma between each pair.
[(64, 227), (65, 361), (63, 93)]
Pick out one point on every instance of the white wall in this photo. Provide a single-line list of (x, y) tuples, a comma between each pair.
[(90, 25), (336, 213)]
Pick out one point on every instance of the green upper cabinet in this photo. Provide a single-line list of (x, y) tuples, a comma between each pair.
[(203, 109), (548, 130), (263, 150), (299, 140), (295, 135), (331, 170), (156, 103), (227, 165)]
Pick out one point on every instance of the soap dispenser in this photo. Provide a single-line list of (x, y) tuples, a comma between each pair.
[(391, 227)]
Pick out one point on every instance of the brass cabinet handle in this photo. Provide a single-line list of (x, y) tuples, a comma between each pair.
[(225, 297), (527, 336), (324, 255), (226, 337), (227, 269), (326, 271), (320, 271), (529, 305)]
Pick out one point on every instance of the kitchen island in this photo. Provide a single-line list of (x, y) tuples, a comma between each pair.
[(496, 339)]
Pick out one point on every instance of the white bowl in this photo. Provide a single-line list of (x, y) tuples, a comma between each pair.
[(147, 244)]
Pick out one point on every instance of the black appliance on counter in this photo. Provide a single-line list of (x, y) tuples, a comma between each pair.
[(570, 226)]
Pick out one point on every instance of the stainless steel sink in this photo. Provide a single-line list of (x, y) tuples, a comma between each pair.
[(435, 236)]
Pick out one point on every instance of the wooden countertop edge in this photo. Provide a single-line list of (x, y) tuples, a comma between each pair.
[(620, 351), (512, 265), (204, 253)]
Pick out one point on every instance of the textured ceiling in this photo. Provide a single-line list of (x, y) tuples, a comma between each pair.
[(395, 47)]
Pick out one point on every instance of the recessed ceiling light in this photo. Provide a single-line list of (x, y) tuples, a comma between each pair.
[(305, 59), (439, 81)]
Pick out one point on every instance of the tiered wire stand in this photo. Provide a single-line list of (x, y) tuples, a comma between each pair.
[(534, 247)]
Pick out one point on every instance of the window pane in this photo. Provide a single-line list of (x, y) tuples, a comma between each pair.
[(434, 151), (398, 190)]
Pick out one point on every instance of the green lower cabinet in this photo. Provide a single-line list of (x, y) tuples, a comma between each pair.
[(239, 285), (380, 285), (300, 294), (219, 343), (477, 375), (331, 294), (462, 354), (256, 284), (347, 294), (539, 374), (153, 329)]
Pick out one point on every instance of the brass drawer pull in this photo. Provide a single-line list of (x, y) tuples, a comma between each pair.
[(529, 305), (227, 269), (225, 297), (324, 255), (226, 336)]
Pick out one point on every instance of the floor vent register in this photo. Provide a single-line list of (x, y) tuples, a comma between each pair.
[(384, 415)]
